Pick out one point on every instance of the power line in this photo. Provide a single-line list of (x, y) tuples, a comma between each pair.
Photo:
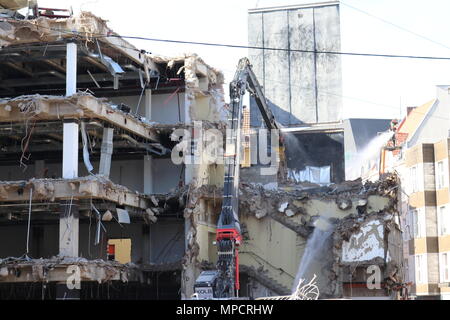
[(278, 49), (99, 36), (224, 45)]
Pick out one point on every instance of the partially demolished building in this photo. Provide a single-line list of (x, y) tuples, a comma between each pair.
[(340, 233), (69, 195), (92, 205)]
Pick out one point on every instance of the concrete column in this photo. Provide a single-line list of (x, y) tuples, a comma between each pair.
[(106, 151), (68, 228), (70, 149), (70, 133), (68, 246), (71, 69), (148, 175), (69, 218), (187, 115), (148, 104)]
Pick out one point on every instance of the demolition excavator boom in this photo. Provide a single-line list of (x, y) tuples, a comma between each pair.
[(224, 282)]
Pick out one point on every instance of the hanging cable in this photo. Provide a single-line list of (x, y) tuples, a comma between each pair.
[(29, 224)]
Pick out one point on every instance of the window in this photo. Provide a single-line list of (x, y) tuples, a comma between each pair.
[(418, 217), (444, 266), (413, 178), (421, 269), (440, 175), (411, 269), (409, 224), (443, 221)]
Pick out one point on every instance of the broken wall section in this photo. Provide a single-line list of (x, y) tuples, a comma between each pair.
[(276, 226)]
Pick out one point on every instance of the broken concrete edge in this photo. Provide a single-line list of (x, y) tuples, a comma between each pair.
[(289, 207), (350, 226), (90, 187), (386, 187), (98, 187), (86, 106), (58, 269), (90, 28), (193, 66), (79, 106), (85, 26)]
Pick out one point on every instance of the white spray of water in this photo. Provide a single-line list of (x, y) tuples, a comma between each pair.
[(315, 252), (371, 152)]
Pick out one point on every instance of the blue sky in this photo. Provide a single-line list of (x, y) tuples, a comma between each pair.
[(372, 87)]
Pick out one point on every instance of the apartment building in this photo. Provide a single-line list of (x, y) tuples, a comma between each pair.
[(441, 151), (421, 233), (418, 152), (427, 221)]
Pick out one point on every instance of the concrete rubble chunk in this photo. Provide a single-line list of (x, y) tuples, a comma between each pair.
[(283, 206)]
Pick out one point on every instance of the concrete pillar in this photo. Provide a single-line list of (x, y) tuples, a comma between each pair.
[(148, 104), (70, 149), (68, 228), (71, 129), (69, 218), (106, 152), (71, 69), (187, 115), (148, 175), (68, 245)]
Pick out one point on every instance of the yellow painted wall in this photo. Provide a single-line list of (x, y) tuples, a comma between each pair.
[(420, 245), (442, 197), (444, 243), (417, 200), (445, 290), (441, 150), (421, 289), (206, 246), (328, 208), (123, 249), (274, 246)]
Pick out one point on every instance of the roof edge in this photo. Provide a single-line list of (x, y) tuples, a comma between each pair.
[(295, 6), (425, 117)]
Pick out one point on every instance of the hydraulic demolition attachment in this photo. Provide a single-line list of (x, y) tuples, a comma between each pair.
[(224, 282)]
